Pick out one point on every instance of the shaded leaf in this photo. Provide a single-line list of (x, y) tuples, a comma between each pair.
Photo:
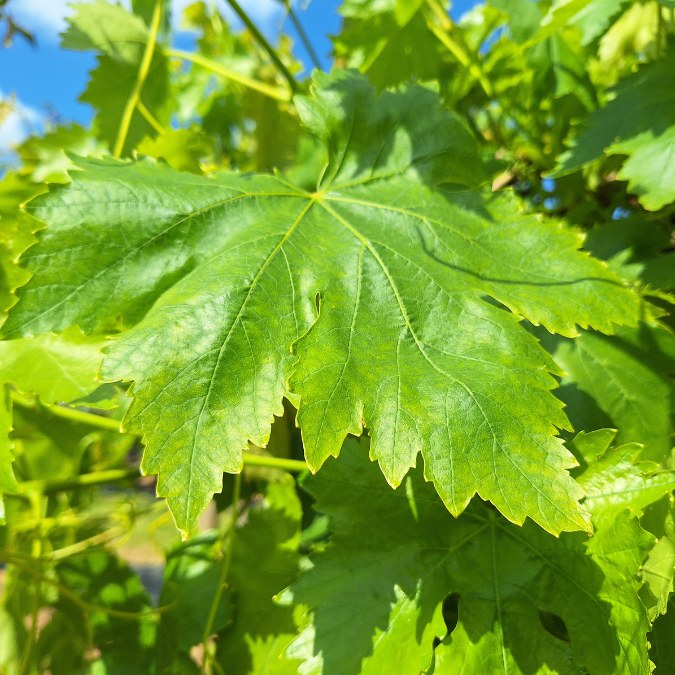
[(107, 585), (662, 651), (629, 376), (658, 568), (190, 581), (398, 555), (637, 122), (388, 40)]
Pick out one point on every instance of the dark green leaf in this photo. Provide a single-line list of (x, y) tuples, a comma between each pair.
[(527, 602)]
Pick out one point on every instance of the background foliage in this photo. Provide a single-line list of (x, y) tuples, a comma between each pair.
[(446, 268)]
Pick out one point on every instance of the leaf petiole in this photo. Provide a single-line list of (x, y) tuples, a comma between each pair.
[(108, 424), (264, 43), (266, 89), (143, 71)]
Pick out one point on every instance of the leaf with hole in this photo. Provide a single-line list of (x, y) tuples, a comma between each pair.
[(473, 594)]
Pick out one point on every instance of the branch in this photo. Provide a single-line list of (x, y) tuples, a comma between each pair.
[(108, 424), (268, 90), (143, 71), (262, 41)]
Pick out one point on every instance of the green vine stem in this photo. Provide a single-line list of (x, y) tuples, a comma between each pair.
[(455, 47), (71, 414), (227, 543), (266, 89), (262, 41), (84, 480), (115, 475), (149, 117), (36, 502), (304, 38), (143, 71)]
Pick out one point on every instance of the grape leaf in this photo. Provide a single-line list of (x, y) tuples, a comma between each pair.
[(15, 235), (398, 556), (658, 568), (637, 122), (629, 375), (616, 478), (182, 149), (592, 17), (55, 367), (407, 268), (388, 40), (596, 18), (120, 39)]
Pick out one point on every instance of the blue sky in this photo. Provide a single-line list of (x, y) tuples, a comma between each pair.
[(46, 80)]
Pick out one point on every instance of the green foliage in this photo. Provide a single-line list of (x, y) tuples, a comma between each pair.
[(400, 559), (236, 268), (419, 260), (637, 122)]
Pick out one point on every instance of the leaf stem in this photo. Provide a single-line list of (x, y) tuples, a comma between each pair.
[(455, 47), (262, 41), (149, 117), (108, 424), (143, 71), (83, 480), (71, 414), (290, 465), (266, 89), (304, 38), (227, 542), (36, 500)]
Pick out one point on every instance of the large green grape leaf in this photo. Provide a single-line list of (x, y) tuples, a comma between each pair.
[(376, 301), (637, 122), (399, 557)]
